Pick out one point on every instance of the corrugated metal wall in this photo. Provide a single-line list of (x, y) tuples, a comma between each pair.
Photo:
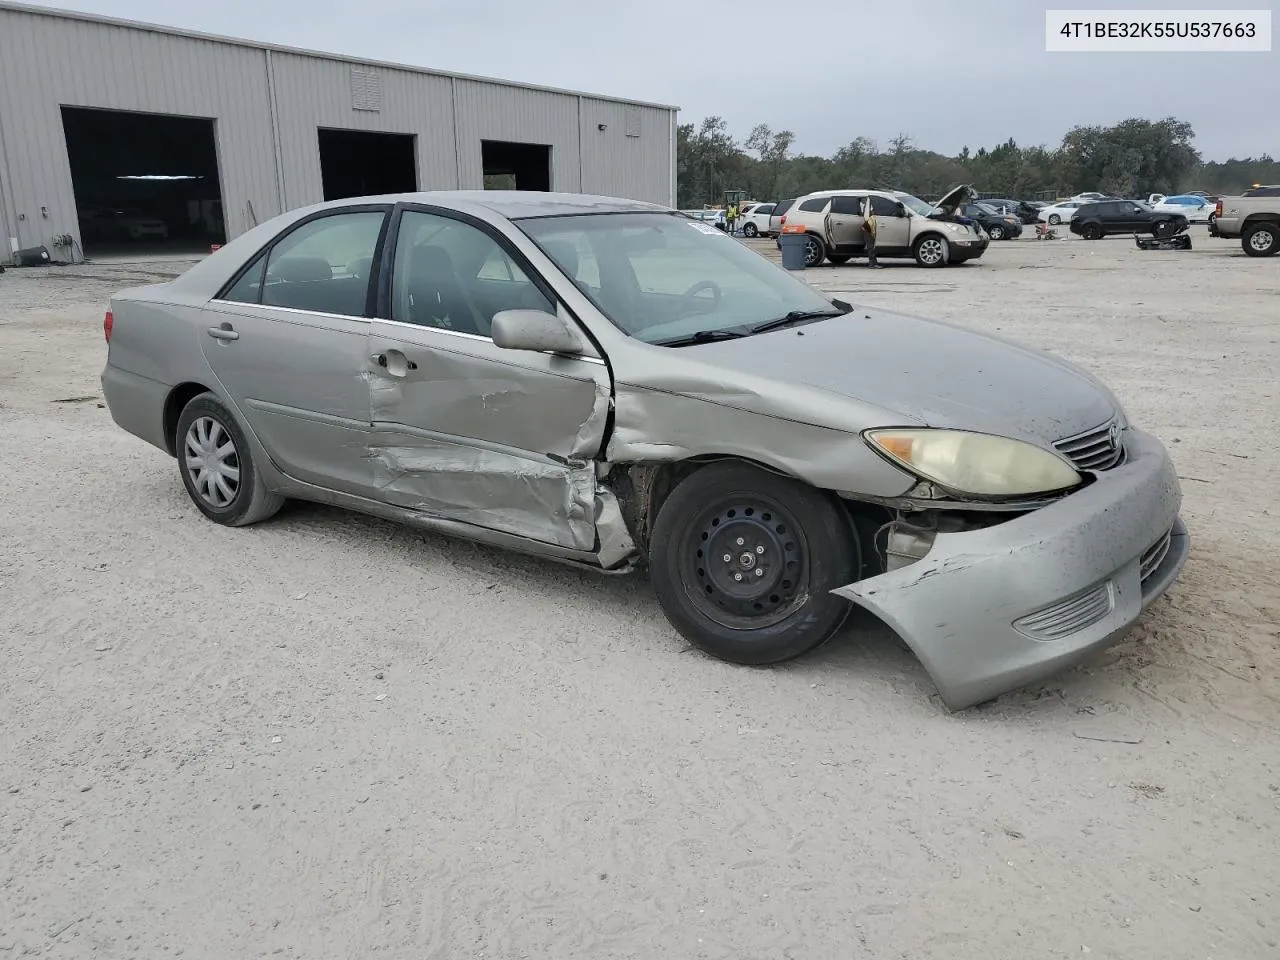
[(267, 106), (489, 111), (633, 156), (49, 61), (312, 92)]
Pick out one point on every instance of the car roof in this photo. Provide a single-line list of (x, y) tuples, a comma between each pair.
[(512, 204)]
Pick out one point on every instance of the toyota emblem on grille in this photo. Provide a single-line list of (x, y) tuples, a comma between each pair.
[(1113, 436)]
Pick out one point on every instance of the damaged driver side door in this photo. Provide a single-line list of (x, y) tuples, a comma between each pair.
[(464, 429)]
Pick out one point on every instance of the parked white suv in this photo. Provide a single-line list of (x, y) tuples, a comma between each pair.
[(755, 219), (933, 234)]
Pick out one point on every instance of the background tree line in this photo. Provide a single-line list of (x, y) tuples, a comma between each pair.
[(1134, 158)]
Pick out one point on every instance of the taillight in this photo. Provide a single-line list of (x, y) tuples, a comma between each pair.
[(782, 220), (1217, 209), (106, 325)]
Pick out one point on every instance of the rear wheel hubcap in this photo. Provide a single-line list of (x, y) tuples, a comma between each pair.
[(212, 462)]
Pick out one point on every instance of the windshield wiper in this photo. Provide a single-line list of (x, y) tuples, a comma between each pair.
[(795, 316), (701, 336)]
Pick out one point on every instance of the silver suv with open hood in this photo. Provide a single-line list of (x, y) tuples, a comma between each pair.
[(934, 235)]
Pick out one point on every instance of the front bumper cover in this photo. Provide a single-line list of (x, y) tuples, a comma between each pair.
[(957, 607)]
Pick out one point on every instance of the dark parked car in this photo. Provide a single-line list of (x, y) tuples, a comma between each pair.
[(1104, 218), (1027, 211), (999, 226)]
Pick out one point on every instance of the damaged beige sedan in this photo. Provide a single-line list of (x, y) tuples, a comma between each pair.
[(610, 384)]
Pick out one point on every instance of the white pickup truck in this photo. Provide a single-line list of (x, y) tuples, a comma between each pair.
[(1254, 217)]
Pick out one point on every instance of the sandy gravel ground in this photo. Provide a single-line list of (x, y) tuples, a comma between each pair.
[(329, 737)]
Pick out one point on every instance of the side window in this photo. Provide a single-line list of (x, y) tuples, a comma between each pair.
[(847, 205), (763, 209), (453, 276), (324, 265), (248, 289), (816, 205), (884, 207)]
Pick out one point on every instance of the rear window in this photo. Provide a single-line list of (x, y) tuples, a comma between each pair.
[(1263, 192), (816, 205)]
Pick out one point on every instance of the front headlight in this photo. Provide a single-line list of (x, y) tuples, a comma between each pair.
[(977, 464), (957, 228)]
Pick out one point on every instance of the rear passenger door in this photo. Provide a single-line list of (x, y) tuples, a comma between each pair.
[(464, 429), (287, 339), (844, 224)]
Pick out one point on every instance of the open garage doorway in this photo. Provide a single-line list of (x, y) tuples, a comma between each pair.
[(144, 183), (360, 163), (515, 166)]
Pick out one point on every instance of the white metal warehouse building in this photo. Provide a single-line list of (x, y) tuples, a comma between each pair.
[(115, 133)]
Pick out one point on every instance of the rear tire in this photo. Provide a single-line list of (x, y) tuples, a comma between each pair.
[(1054, 220), (815, 251), (788, 545), (217, 467), (1261, 239)]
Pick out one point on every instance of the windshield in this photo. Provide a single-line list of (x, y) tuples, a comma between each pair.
[(656, 276), (915, 204), (987, 208)]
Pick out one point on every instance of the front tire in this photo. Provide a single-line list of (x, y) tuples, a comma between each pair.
[(1261, 239), (932, 250), (788, 546), (217, 465), (1054, 220), (1092, 231), (996, 232), (751, 230)]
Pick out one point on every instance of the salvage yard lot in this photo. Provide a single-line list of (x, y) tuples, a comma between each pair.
[(328, 736)]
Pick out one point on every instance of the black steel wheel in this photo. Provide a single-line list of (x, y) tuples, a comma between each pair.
[(1092, 231), (742, 561)]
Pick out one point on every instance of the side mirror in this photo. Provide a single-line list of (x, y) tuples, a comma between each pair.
[(534, 330)]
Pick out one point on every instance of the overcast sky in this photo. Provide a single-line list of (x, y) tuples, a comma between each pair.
[(948, 72)]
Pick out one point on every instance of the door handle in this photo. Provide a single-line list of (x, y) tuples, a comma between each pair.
[(224, 332), (394, 362)]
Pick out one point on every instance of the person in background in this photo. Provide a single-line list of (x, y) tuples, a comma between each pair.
[(869, 232), (731, 217)]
